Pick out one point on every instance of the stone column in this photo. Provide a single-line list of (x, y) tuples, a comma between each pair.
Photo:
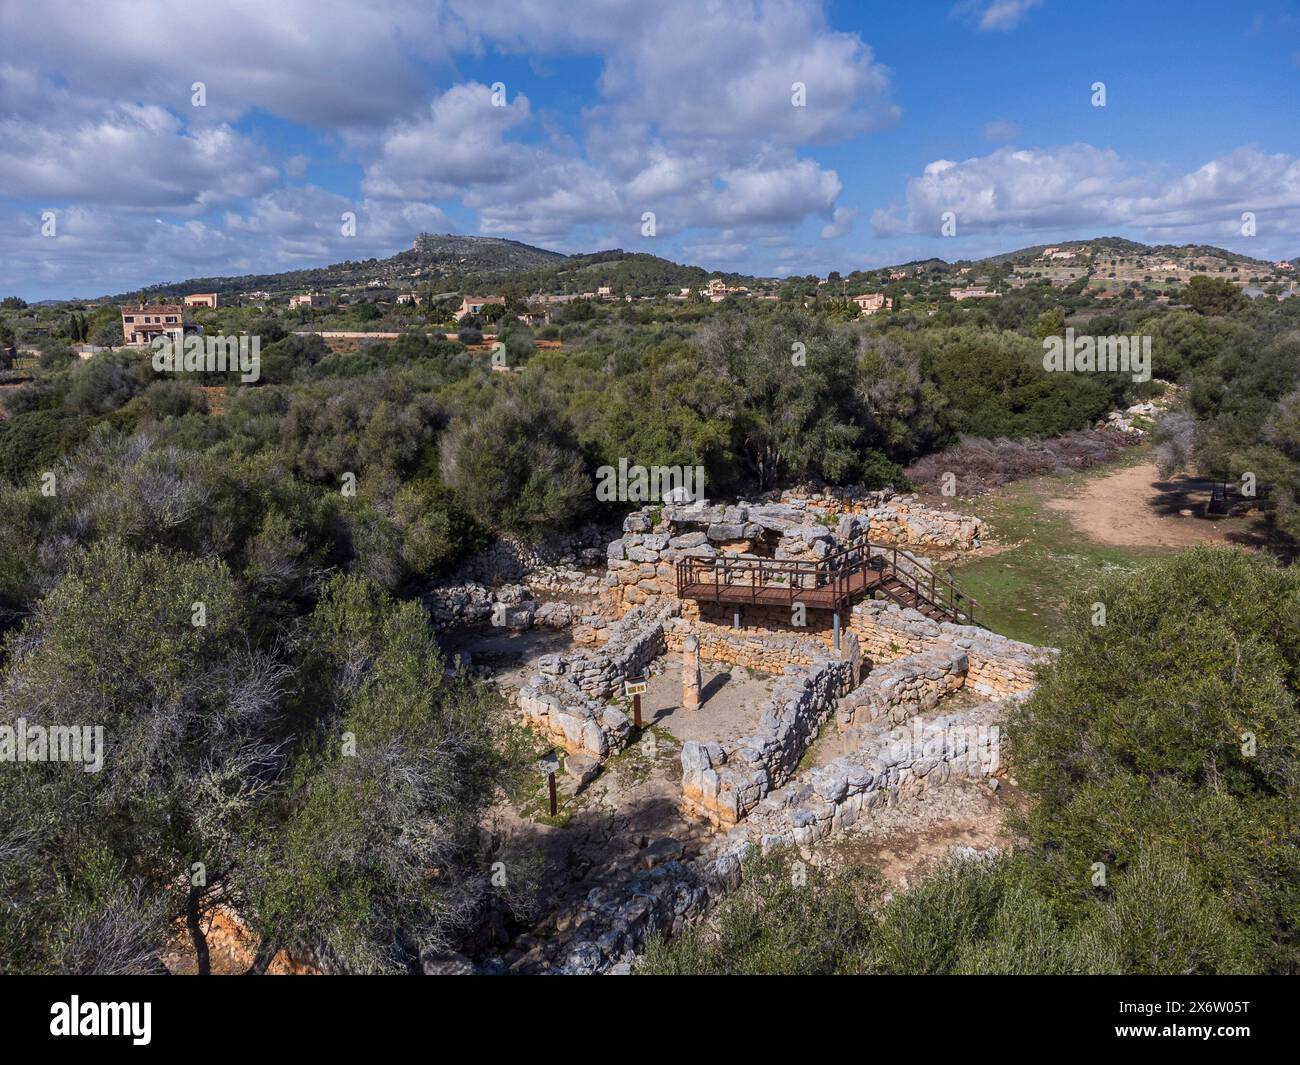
[(691, 673)]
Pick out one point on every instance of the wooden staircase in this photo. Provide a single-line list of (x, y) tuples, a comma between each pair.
[(901, 594)]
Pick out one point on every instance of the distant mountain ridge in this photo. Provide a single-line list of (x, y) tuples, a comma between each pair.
[(1102, 247), (456, 262)]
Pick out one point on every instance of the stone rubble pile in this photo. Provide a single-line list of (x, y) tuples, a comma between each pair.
[(612, 926), (892, 519), (511, 560), (1125, 421), (510, 606)]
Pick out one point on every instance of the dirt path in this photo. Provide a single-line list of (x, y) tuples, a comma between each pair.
[(1134, 507)]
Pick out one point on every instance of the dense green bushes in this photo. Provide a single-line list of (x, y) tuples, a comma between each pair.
[(311, 781)]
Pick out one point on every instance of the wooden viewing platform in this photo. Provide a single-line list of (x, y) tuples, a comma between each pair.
[(834, 583)]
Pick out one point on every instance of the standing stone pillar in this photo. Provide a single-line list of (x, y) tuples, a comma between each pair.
[(691, 673)]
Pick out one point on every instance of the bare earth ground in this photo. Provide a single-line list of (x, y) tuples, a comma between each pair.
[(901, 844), (731, 702), (1134, 507)]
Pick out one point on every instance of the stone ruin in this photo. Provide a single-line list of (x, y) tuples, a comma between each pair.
[(795, 527), (914, 663), (568, 700), (884, 689)]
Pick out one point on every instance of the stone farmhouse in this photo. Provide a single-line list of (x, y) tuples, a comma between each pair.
[(972, 292), (871, 302)]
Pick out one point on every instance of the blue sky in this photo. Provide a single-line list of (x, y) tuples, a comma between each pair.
[(981, 108)]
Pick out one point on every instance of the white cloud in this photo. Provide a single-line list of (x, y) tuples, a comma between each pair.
[(841, 223), (326, 65), (131, 155), (120, 248), (1079, 187), (458, 144), (692, 117), (1000, 15)]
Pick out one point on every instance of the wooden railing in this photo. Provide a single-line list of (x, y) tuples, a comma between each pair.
[(935, 588), (857, 567)]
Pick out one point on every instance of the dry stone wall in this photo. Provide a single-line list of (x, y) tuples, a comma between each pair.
[(915, 662), (567, 700), (749, 649), (892, 765), (996, 665), (894, 519), (904, 688), (722, 785)]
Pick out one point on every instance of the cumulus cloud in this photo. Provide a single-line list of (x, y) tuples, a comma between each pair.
[(1079, 186), (701, 127), (457, 144), (131, 155), (701, 113), (324, 65), (841, 223), (103, 249)]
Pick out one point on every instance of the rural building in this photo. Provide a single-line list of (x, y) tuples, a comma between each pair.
[(871, 302), (718, 290), (201, 299), (475, 304), (140, 324), (971, 292), (310, 299)]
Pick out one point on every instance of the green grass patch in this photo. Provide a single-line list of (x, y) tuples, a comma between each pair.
[(1022, 590)]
